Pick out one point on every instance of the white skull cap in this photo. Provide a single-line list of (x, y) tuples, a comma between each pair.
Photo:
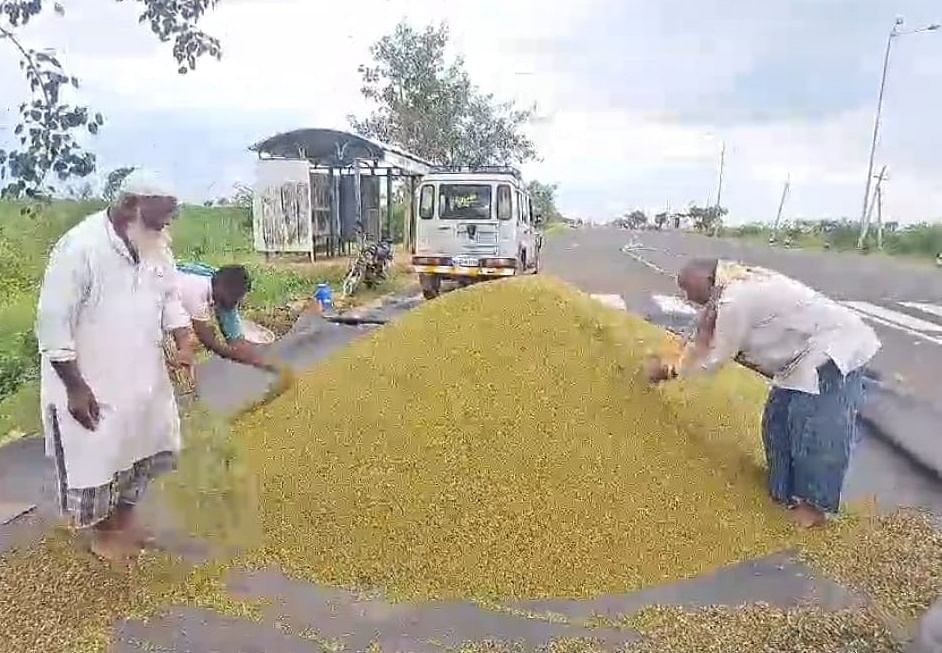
[(144, 183)]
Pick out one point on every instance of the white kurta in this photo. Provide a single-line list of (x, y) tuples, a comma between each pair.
[(786, 330), (100, 308)]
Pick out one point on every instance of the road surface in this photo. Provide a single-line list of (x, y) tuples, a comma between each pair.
[(901, 300)]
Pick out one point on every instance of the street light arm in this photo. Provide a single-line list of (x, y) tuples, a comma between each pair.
[(928, 28)]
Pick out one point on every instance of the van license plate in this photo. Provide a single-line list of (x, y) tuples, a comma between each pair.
[(465, 261)]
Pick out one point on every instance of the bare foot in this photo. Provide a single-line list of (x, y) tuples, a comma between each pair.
[(142, 538), (131, 530), (808, 516)]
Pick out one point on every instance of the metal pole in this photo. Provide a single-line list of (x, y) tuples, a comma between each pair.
[(358, 192), (781, 205), (880, 216), (408, 230), (865, 228), (876, 133), (387, 233), (719, 190)]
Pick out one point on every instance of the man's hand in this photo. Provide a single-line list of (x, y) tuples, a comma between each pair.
[(185, 358), (83, 406), (185, 361)]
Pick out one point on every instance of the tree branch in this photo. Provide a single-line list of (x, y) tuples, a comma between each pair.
[(27, 57)]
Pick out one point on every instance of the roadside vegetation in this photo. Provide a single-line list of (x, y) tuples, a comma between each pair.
[(216, 235), (923, 240)]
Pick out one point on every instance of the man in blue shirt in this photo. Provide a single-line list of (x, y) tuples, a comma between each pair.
[(207, 293)]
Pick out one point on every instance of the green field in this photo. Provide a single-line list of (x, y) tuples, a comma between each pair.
[(211, 235)]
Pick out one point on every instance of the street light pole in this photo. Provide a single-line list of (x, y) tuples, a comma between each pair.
[(894, 32), (876, 130)]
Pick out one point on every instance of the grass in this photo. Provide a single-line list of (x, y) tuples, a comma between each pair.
[(555, 229), (210, 235), (920, 241)]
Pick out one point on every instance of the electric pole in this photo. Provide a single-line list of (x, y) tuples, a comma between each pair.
[(895, 32), (781, 205), (865, 227), (719, 190), (879, 192)]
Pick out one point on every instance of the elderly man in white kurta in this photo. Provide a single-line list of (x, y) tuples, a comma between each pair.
[(109, 412)]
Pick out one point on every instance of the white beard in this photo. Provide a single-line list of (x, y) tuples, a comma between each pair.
[(151, 246)]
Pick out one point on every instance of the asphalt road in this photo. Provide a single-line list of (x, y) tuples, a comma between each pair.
[(593, 260), (902, 300)]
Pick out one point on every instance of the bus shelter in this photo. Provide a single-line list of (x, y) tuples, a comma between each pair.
[(318, 190)]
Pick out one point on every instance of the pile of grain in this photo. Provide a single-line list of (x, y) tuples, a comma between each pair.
[(495, 443), (500, 442)]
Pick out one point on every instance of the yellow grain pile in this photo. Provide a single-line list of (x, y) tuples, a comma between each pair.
[(500, 442), (497, 442)]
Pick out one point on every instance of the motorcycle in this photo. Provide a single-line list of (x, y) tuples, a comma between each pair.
[(370, 266)]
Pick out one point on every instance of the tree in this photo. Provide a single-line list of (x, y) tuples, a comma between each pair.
[(661, 219), (114, 180), (543, 200), (705, 218), (49, 127), (636, 219), (430, 107), (242, 197)]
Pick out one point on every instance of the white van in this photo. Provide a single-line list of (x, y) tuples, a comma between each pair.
[(473, 224)]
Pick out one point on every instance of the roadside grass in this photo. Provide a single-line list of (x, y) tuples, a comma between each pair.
[(917, 241), (555, 229), (216, 236)]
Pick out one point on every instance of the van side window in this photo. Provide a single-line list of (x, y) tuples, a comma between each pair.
[(504, 197), (519, 212), (427, 202)]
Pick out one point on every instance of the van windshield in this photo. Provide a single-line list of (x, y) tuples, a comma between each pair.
[(464, 202)]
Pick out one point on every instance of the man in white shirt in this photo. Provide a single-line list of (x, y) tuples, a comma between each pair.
[(208, 293), (109, 413), (812, 348)]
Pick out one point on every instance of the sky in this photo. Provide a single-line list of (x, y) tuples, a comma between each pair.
[(635, 99)]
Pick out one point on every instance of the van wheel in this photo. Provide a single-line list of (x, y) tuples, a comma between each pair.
[(431, 285)]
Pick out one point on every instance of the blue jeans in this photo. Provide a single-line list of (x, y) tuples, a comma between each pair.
[(808, 438)]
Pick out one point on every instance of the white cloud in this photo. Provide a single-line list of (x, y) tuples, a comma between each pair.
[(634, 97)]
